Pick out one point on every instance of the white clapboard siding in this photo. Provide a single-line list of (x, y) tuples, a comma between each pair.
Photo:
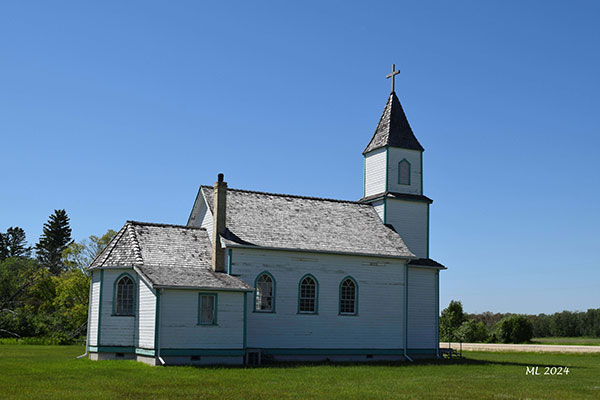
[(179, 321), (201, 216), (380, 208), (378, 325), (115, 330), (94, 307), (375, 172), (146, 315), (409, 219), (422, 308), (414, 158), (207, 220)]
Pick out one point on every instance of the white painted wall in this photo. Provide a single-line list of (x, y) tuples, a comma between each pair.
[(146, 315), (115, 330), (202, 217), (409, 219), (379, 324), (179, 327), (375, 172), (94, 307), (422, 308), (380, 208), (414, 158)]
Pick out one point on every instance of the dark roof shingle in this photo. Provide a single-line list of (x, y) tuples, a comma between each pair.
[(393, 129)]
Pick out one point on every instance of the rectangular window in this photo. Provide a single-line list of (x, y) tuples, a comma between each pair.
[(207, 309)]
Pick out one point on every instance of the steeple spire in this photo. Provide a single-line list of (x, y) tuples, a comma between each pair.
[(393, 129)]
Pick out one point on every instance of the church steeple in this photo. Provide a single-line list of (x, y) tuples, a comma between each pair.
[(394, 176), (393, 129)]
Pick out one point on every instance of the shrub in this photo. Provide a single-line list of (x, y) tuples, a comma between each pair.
[(472, 332), (515, 329)]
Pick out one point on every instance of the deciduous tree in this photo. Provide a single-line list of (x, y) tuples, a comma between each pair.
[(452, 318)]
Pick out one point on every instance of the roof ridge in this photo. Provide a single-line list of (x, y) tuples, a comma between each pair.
[(390, 98), (137, 249), (290, 195), (158, 224)]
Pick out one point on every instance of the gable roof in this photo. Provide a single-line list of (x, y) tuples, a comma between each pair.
[(288, 222), (167, 256), (393, 129)]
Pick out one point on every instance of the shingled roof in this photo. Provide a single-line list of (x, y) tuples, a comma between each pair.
[(167, 256), (281, 221), (393, 129)]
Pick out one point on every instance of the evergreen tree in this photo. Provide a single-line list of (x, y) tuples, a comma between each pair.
[(3, 247), (54, 240), (16, 244)]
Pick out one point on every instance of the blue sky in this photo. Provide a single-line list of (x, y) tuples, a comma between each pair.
[(119, 110)]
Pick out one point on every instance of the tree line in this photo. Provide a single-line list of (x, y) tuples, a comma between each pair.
[(44, 288), (488, 327)]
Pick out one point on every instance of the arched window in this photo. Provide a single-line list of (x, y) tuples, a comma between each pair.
[(124, 295), (404, 172), (348, 297), (265, 293), (307, 295)]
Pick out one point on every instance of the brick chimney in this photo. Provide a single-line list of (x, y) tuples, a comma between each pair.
[(219, 214)]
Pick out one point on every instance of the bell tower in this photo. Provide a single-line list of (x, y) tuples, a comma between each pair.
[(393, 176)]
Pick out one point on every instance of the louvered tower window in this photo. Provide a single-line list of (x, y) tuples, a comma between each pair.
[(404, 172)]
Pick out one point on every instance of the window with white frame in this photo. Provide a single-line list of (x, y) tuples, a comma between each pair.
[(404, 172), (265, 293), (207, 309), (124, 296), (308, 295), (348, 296)]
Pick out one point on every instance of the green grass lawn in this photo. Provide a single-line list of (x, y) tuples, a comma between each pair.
[(581, 341), (52, 372)]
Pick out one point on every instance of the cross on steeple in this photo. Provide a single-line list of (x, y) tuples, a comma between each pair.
[(393, 75)]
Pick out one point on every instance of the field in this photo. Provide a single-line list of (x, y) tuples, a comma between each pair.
[(52, 372), (581, 341)]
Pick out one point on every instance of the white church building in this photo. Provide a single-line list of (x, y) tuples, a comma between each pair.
[(256, 277)]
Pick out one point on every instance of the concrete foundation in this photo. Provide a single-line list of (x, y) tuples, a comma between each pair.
[(111, 356), (239, 360), (336, 358)]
